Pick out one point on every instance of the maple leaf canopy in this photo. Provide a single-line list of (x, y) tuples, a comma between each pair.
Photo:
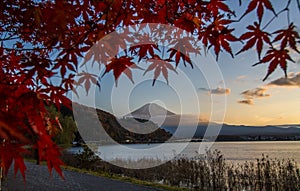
[(43, 42)]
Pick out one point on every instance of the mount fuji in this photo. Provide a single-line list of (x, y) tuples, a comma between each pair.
[(148, 111)]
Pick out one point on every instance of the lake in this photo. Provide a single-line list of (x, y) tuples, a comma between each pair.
[(233, 151)]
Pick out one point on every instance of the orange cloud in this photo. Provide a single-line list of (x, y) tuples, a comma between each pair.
[(246, 101), (250, 95)]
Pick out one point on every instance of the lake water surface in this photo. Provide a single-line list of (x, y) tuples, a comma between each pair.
[(232, 151)]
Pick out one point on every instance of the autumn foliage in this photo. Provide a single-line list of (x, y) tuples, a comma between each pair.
[(44, 42)]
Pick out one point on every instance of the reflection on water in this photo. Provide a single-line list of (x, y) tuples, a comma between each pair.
[(242, 151), (232, 151)]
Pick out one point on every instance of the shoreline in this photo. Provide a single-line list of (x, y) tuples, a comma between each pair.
[(179, 141)]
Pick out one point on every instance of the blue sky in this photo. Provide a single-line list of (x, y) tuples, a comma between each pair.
[(230, 89)]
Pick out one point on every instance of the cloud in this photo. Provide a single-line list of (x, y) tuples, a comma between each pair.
[(255, 93), (291, 80), (246, 101), (220, 91), (241, 77), (217, 91), (250, 95), (203, 89)]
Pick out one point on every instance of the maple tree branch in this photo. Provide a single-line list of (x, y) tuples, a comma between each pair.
[(277, 14), (118, 15), (274, 17), (166, 4), (9, 38), (9, 35), (236, 21), (288, 12), (288, 16), (28, 49)]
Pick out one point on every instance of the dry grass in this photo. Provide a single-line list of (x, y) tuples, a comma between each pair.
[(209, 173)]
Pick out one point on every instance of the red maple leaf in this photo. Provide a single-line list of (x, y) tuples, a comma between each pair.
[(215, 5), (8, 131), (276, 57), (159, 66), (255, 36), (119, 66), (188, 22), (222, 40), (143, 50), (218, 35), (87, 79), (287, 36), (259, 4), (182, 48), (69, 83), (20, 165), (56, 95), (179, 54), (10, 152), (50, 152)]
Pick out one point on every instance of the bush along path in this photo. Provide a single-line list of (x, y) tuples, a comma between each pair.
[(37, 178)]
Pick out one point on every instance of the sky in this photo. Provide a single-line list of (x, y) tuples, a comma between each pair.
[(254, 102), (229, 90)]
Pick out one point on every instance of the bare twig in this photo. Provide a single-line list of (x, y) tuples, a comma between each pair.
[(280, 12), (298, 4)]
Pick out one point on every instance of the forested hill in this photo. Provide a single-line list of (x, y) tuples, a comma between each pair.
[(90, 127)]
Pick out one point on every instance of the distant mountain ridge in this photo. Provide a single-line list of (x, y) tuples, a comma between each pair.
[(145, 131), (171, 121), (238, 130)]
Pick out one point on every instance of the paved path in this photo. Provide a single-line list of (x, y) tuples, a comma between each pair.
[(37, 179)]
